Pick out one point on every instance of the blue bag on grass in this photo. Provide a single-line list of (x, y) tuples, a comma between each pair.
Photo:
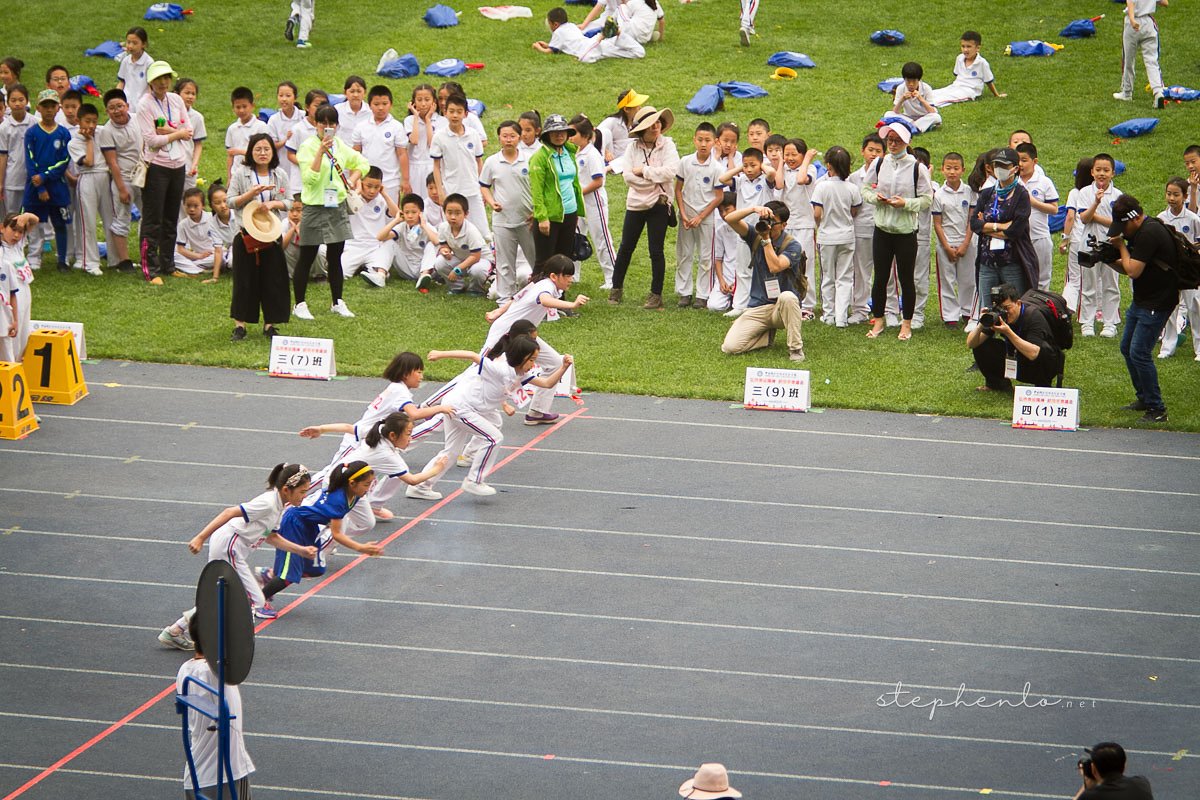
[(406, 66), (476, 107), (446, 68), (889, 84), (708, 100), (1057, 220), (743, 90), (1078, 29), (787, 58), (887, 38), (1134, 127), (165, 12), (109, 49), (889, 118), (441, 16), (1181, 93), (1032, 47)]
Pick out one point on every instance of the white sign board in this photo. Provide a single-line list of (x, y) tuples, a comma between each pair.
[(1045, 408), (566, 384), (777, 389), (300, 357), (76, 329)]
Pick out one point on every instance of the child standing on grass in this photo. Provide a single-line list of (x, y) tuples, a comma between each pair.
[(304, 130), (794, 183), (93, 199), (121, 145), (132, 66), (725, 248), (971, 73), (590, 162), (12, 152), (46, 160), (864, 233), (457, 154), (504, 183), (1043, 201), (697, 195), (420, 126), (282, 124), (241, 129), (1188, 223), (1140, 35), (531, 132), (953, 202), (18, 275), (381, 139), (236, 531), (1072, 234), (352, 111), (752, 189), (192, 148), (317, 525), (835, 203), (1100, 294)]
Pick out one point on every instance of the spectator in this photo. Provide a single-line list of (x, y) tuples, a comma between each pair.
[(163, 122), (1027, 352), (1001, 221), (1104, 776), (554, 187)]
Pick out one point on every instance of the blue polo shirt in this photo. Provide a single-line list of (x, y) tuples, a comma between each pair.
[(760, 274)]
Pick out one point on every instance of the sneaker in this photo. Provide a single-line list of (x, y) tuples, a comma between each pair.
[(918, 324), (265, 611), (653, 302), (477, 489), (1088, 331), (734, 312), (540, 418), (64, 267), (289, 28), (795, 355), (1153, 415), (420, 492), (1123, 96), (301, 311), (179, 641), (264, 576), (856, 319), (464, 462), (615, 296), (744, 36), (685, 301), (125, 266), (373, 277), (341, 309), (424, 282), (93, 270), (303, 44), (700, 302), (1136, 405), (239, 333), (1159, 100), (155, 281), (1109, 331), (1165, 353)]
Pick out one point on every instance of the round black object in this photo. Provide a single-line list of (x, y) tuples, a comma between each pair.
[(239, 625)]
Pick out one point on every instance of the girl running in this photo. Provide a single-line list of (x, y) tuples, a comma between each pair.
[(239, 529)]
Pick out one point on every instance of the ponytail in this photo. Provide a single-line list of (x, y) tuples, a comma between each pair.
[(343, 473), (395, 424), (287, 475), (519, 349), (521, 327)]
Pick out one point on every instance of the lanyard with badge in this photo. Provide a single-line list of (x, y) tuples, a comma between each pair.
[(994, 242), (1010, 360)]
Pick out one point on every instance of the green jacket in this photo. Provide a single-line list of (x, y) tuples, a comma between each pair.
[(543, 185)]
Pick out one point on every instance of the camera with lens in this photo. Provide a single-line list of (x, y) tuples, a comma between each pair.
[(764, 223), (989, 318), (1098, 252), (1085, 766)]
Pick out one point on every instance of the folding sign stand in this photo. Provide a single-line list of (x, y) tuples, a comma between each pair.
[(224, 614)]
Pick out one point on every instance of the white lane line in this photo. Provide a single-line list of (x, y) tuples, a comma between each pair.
[(136, 459), (228, 393), (881, 473), (74, 494), (804, 546), (630, 493), (182, 426), (891, 437)]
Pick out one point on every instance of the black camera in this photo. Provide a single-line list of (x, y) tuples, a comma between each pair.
[(764, 224), (1085, 766), (989, 318), (1098, 252)]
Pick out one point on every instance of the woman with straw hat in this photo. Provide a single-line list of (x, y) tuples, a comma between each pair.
[(650, 166), (163, 120), (260, 276)]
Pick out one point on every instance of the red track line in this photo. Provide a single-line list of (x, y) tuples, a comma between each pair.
[(170, 689)]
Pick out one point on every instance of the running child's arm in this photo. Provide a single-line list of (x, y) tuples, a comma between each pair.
[(563, 305), (466, 355), (551, 380), (367, 548), (316, 431), (197, 541), (280, 543), (496, 313), (421, 477), (417, 413)]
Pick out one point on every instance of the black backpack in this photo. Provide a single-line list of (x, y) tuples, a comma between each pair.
[(1187, 258), (1054, 308)]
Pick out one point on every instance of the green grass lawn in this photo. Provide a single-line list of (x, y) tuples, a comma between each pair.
[(1065, 101)]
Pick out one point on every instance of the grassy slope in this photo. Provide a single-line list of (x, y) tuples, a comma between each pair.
[(1064, 100)]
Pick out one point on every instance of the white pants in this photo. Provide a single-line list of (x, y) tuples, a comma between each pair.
[(744, 272), (369, 255), (622, 46), (1189, 306), (954, 93), (304, 10), (837, 282), (596, 206), (1144, 41), (192, 267), (228, 546), (93, 205), (807, 237), (408, 265), (508, 241), (1099, 291), (460, 430), (122, 214), (922, 123), (1072, 288), (694, 245), (548, 360), (749, 10), (718, 300), (418, 171), (864, 272), (474, 280), (956, 284), (1044, 248)]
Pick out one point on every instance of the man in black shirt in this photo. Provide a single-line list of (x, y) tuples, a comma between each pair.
[(1026, 351), (1155, 295), (1104, 776)]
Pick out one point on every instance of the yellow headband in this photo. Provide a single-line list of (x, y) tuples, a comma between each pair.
[(360, 473)]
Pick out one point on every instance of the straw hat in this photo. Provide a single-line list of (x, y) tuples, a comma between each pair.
[(648, 115), (260, 223), (710, 782)]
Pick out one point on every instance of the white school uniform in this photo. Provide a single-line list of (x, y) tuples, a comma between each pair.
[(1099, 288), (420, 164), (642, 20), (701, 183), (969, 81), (725, 252), (10, 291), (616, 135), (1042, 189), (749, 10), (283, 129), (1072, 288), (527, 305), (93, 201), (235, 540), (468, 240), (349, 119), (457, 153), (623, 45), (1143, 41), (237, 135), (304, 11), (837, 200), (134, 75), (956, 279), (749, 193), (414, 253), (1187, 313), (590, 163), (365, 250), (12, 144), (508, 182), (188, 146), (568, 39), (227, 230), (198, 237), (126, 142), (205, 744), (864, 261), (912, 109), (801, 225), (380, 143), (20, 271)]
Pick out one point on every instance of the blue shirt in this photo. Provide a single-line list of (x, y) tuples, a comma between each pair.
[(46, 155), (302, 524), (564, 167), (761, 274)]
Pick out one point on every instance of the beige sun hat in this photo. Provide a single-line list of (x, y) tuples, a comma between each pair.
[(260, 223), (647, 115), (710, 782)]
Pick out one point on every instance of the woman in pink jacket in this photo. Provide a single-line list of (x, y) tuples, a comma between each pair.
[(650, 166)]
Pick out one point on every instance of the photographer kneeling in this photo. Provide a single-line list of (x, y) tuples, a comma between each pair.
[(1026, 350), (777, 282)]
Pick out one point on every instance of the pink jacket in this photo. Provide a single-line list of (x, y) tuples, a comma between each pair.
[(155, 148), (659, 163)]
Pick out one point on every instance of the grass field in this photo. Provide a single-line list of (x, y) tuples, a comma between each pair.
[(1065, 101)]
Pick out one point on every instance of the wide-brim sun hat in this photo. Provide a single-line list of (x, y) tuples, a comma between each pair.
[(710, 782), (555, 123), (899, 129), (158, 69), (261, 223), (648, 115), (783, 74), (632, 99)]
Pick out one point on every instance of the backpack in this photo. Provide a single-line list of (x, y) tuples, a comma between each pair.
[(742, 89), (1054, 308), (1134, 127), (109, 49), (441, 16), (792, 59), (1187, 258), (1032, 47), (165, 12), (446, 68), (405, 66), (887, 38), (709, 99)]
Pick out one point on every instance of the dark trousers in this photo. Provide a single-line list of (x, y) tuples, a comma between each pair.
[(161, 198), (260, 280), (654, 220), (333, 260), (903, 248), (1142, 329), (560, 241), (990, 356)]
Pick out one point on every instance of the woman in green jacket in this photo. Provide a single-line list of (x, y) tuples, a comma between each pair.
[(557, 198)]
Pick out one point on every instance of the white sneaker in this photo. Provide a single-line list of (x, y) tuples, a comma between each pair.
[(1109, 331), (744, 36), (1088, 331), (374, 277), (301, 311), (464, 461), (735, 312), (891, 320), (477, 489), (918, 324), (341, 309), (420, 492), (1122, 96), (93, 270), (1165, 353)]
